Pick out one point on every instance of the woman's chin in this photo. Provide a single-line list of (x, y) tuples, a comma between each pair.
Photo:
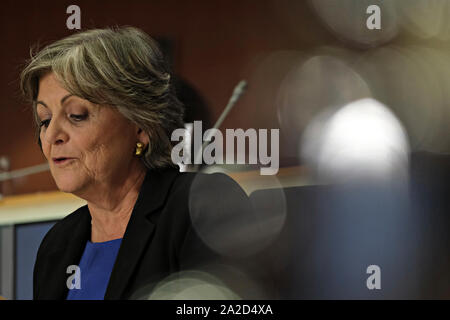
[(68, 185), (66, 188)]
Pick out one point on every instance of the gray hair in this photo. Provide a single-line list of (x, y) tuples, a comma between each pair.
[(119, 67)]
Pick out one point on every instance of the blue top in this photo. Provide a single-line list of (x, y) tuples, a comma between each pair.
[(94, 270)]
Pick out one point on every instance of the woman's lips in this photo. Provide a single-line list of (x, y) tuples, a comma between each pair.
[(60, 162)]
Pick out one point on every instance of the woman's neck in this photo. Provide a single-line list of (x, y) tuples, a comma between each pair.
[(112, 206)]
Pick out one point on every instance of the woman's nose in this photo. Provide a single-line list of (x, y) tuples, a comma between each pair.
[(55, 133)]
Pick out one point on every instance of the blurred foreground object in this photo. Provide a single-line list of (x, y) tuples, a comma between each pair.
[(333, 233)]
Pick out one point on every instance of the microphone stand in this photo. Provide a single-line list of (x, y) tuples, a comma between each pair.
[(236, 95)]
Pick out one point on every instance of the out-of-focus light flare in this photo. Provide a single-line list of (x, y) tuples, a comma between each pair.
[(424, 18), (361, 140), (231, 225), (192, 285), (347, 20), (311, 87), (413, 81)]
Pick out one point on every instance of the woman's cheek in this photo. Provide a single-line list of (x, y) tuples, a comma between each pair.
[(95, 156), (46, 150)]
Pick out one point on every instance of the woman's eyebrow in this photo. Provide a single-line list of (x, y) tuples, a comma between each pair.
[(65, 98), (62, 100), (41, 103)]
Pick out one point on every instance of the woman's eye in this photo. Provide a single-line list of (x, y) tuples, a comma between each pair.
[(44, 123), (78, 117)]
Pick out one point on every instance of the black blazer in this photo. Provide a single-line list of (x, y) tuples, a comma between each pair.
[(159, 238)]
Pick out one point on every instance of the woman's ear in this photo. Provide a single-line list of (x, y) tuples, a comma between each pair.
[(143, 136)]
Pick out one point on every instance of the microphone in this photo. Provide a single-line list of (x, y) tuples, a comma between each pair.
[(238, 91)]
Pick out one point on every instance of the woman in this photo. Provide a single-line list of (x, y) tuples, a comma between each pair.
[(105, 110)]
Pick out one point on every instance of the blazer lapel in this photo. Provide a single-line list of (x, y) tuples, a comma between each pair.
[(65, 253), (152, 195)]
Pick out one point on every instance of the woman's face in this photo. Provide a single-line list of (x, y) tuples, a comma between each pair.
[(86, 145)]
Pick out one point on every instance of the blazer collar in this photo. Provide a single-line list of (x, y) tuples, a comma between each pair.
[(152, 196)]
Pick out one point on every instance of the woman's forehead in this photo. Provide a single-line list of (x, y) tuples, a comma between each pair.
[(50, 87)]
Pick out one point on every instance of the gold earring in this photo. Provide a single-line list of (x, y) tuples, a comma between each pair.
[(139, 147)]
